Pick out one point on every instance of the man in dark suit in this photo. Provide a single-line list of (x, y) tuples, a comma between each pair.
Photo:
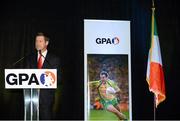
[(43, 59)]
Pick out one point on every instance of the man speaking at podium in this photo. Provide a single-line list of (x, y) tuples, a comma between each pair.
[(43, 59)]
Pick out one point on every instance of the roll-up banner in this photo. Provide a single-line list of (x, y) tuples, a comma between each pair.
[(107, 70)]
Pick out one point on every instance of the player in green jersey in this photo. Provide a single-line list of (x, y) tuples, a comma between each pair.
[(107, 90)]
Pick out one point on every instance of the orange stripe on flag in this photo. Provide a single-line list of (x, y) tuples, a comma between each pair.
[(156, 82)]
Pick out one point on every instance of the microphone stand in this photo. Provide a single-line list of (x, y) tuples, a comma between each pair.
[(45, 58)]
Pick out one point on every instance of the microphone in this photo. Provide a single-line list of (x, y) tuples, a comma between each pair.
[(19, 60), (40, 52), (45, 58)]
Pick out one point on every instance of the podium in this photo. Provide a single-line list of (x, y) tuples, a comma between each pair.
[(31, 81), (31, 104)]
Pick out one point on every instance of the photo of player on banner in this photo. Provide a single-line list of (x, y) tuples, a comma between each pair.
[(108, 87)]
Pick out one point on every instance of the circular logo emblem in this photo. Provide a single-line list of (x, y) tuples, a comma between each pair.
[(47, 78)]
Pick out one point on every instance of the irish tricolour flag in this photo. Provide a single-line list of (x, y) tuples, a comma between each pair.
[(155, 74)]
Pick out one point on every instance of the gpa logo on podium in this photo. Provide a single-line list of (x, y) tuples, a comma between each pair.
[(47, 78), (30, 78)]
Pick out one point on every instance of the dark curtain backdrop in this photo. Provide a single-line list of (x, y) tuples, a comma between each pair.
[(62, 21)]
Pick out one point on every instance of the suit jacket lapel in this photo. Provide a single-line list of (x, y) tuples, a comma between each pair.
[(45, 64)]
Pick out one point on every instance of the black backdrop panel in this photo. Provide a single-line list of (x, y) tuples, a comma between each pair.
[(62, 21)]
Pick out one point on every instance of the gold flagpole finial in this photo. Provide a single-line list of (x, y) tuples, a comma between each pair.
[(153, 7)]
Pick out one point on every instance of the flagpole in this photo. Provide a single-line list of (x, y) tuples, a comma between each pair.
[(157, 86), (153, 9)]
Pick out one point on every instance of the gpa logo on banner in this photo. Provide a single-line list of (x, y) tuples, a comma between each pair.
[(114, 40), (30, 78)]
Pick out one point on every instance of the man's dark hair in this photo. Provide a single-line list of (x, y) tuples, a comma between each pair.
[(104, 73), (42, 34)]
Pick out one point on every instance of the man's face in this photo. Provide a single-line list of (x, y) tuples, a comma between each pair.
[(103, 77), (40, 43)]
